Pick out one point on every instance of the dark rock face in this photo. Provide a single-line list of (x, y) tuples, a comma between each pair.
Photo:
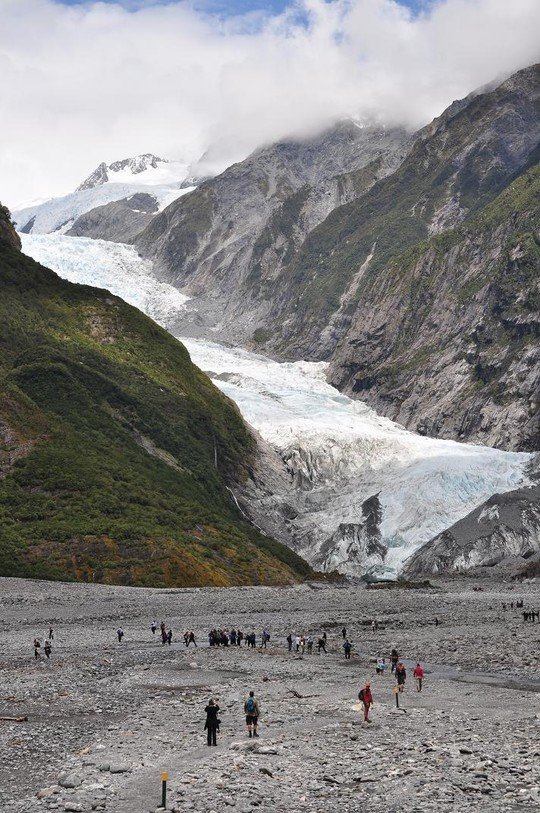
[(444, 337), (359, 543), (228, 241), (445, 340), (120, 221), (506, 525)]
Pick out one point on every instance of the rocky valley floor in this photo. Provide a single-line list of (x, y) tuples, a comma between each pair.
[(105, 719)]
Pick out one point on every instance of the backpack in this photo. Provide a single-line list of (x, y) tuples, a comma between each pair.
[(251, 708), (361, 695)]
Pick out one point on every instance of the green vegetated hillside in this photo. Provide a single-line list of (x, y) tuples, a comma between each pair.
[(108, 442)]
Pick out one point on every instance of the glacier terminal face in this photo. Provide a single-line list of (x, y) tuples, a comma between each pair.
[(348, 489)]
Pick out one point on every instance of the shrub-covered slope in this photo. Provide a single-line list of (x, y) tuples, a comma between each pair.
[(115, 450)]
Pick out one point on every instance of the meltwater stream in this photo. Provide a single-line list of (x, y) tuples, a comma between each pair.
[(363, 492)]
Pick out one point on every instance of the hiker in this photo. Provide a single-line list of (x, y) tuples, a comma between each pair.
[(191, 639), (47, 649), (347, 646), (252, 710), (297, 642), (418, 676), (37, 647), (120, 633), (233, 637), (265, 637), (163, 633), (211, 725), (302, 645), (310, 645), (365, 697), (381, 666), (394, 658), (344, 633), (51, 634), (373, 626), (169, 637), (321, 644), (153, 627), (401, 676), (289, 642)]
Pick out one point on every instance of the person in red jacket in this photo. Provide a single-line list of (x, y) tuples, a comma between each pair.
[(365, 697), (418, 676)]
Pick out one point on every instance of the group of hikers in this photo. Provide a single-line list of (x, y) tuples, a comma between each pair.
[(47, 646), (167, 635), (235, 637), (252, 711), (301, 643)]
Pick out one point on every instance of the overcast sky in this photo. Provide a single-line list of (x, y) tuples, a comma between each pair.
[(86, 82)]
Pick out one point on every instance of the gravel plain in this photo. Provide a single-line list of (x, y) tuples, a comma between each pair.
[(105, 719)]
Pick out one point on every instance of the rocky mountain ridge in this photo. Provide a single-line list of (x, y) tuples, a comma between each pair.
[(135, 165), (227, 244), (322, 269)]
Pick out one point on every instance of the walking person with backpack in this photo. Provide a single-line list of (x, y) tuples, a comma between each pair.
[(347, 646), (120, 633), (252, 711), (366, 698), (401, 676)]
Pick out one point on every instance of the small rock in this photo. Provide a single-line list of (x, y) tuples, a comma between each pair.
[(119, 767), (44, 793), (70, 780)]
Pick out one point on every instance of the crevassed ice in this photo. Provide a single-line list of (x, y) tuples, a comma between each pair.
[(424, 485)]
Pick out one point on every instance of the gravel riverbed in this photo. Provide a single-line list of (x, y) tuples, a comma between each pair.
[(105, 719)]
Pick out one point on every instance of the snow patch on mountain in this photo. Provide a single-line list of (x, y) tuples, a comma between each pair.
[(146, 170), (361, 492), (164, 180), (58, 214)]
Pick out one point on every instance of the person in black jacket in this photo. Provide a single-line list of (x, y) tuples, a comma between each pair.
[(212, 723)]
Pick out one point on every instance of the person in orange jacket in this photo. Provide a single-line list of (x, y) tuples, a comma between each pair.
[(418, 676)]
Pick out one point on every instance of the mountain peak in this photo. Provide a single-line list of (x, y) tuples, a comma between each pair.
[(126, 166)]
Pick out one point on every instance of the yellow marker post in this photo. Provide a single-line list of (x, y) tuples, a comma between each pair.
[(164, 790)]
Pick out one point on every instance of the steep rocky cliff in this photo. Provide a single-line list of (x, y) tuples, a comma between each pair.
[(445, 340), (506, 525), (226, 243)]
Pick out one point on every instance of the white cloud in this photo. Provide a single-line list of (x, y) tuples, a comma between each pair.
[(83, 84)]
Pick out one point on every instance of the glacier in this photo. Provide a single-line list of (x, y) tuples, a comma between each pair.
[(59, 214), (348, 489)]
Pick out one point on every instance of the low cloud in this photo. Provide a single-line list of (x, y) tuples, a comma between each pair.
[(82, 84)]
